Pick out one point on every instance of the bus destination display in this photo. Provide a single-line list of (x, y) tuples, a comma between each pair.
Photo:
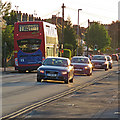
[(28, 28)]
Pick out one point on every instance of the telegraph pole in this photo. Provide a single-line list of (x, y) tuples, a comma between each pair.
[(88, 37), (63, 23)]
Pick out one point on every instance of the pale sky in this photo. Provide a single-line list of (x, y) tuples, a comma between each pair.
[(104, 11)]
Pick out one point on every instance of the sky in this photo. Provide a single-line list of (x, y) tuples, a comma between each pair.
[(104, 11)]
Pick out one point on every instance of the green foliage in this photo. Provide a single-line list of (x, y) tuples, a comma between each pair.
[(8, 38), (10, 20), (70, 35), (4, 8), (67, 53), (80, 50), (97, 35), (68, 46)]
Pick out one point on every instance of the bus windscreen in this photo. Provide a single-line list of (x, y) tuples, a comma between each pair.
[(29, 45)]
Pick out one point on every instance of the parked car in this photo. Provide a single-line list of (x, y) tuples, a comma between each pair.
[(119, 56), (90, 57), (115, 57), (56, 68), (82, 65), (100, 62), (109, 59)]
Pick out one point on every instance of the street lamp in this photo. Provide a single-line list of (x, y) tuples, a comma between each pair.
[(78, 30)]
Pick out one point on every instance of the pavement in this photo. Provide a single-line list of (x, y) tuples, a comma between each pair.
[(7, 70)]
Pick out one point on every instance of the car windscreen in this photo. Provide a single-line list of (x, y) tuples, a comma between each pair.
[(79, 60), (98, 58), (55, 62)]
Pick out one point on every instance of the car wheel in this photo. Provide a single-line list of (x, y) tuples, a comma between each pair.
[(29, 71), (88, 74), (71, 80), (66, 81), (110, 67), (91, 73), (106, 69), (38, 79)]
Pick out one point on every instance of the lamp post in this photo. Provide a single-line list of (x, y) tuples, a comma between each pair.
[(78, 30)]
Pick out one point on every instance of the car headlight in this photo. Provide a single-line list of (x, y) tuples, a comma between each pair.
[(105, 62), (41, 71), (90, 65), (86, 67), (64, 73), (111, 61)]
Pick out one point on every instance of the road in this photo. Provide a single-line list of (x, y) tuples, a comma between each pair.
[(21, 89)]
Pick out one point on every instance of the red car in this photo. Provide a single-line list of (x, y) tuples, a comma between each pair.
[(82, 65), (100, 62), (115, 57)]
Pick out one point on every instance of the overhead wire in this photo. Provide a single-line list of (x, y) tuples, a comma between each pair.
[(91, 14), (55, 11)]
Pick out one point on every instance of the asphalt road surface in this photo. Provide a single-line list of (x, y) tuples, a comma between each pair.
[(98, 100)]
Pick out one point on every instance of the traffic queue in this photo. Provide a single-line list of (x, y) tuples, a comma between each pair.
[(64, 69)]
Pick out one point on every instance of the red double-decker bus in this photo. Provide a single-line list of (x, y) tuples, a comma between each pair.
[(33, 42)]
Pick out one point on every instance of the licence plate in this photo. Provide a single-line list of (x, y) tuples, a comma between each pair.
[(78, 69), (97, 65), (51, 75)]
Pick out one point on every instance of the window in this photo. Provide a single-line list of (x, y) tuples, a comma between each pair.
[(79, 60), (55, 62), (29, 45), (98, 58)]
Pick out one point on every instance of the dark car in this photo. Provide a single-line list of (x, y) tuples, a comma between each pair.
[(82, 65), (100, 62), (56, 68), (109, 59), (115, 57)]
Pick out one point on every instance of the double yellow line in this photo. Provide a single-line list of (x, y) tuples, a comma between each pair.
[(50, 99)]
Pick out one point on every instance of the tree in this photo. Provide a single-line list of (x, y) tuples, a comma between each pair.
[(11, 19), (7, 41), (114, 31), (4, 8), (98, 36), (70, 35)]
